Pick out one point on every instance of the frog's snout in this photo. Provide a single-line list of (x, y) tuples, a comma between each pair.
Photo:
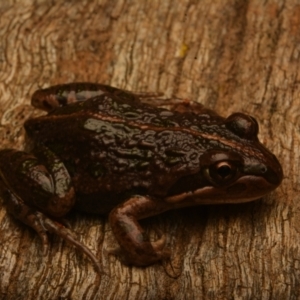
[(271, 170), (274, 174)]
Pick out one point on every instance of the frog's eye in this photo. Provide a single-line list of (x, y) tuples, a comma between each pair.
[(242, 125), (221, 167), (222, 172)]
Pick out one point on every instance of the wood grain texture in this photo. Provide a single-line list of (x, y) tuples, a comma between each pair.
[(228, 55)]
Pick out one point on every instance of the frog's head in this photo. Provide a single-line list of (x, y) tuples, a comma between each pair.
[(241, 169)]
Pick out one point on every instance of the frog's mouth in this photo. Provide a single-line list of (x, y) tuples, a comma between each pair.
[(245, 189)]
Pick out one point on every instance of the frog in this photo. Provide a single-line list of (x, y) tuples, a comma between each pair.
[(129, 155)]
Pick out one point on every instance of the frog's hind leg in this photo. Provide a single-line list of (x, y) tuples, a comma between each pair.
[(64, 94), (38, 193), (41, 224)]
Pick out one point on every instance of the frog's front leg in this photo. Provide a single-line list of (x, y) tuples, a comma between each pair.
[(137, 249), (35, 193)]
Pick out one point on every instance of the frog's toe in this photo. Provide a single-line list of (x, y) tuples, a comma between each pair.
[(45, 245), (160, 243), (35, 219), (64, 222), (42, 224), (160, 250), (68, 235)]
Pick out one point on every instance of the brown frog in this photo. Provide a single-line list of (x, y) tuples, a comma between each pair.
[(109, 151)]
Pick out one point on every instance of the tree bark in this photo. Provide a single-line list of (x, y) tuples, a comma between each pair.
[(228, 55)]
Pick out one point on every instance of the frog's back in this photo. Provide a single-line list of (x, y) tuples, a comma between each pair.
[(107, 140), (127, 108)]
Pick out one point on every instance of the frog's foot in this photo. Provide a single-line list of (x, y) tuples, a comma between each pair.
[(63, 221), (41, 224), (35, 220), (136, 249), (68, 235), (156, 251), (159, 244), (64, 94)]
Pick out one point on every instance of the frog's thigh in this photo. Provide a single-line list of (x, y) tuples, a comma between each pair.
[(138, 250), (40, 181), (28, 186)]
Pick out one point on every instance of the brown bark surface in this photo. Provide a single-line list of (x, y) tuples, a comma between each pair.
[(228, 55)]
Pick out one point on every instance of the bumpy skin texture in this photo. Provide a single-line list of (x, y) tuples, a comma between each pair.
[(117, 153)]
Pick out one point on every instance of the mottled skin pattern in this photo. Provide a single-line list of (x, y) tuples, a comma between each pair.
[(105, 150)]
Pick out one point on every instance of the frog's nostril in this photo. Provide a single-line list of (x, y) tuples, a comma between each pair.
[(263, 169), (272, 172)]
